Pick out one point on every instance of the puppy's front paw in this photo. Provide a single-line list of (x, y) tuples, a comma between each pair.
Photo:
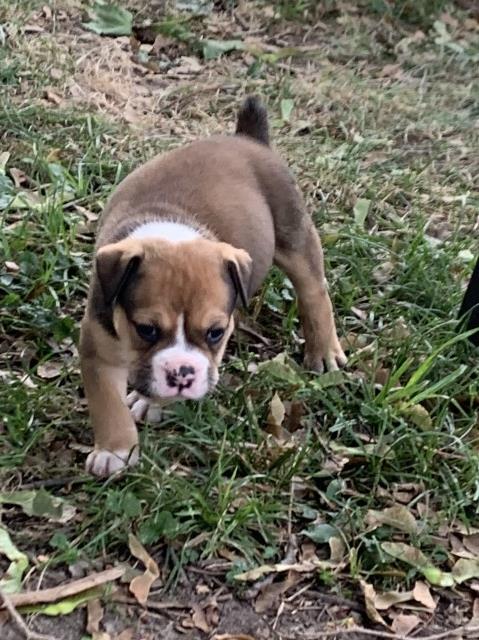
[(102, 462), (138, 406), (143, 409), (332, 356)]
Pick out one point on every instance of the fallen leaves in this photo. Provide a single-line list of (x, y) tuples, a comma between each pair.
[(40, 504), (421, 593), (416, 558), (49, 370), (465, 569), (369, 595), (110, 20), (94, 615), (385, 602), (270, 593), (277, 413), (204, 616), (398, 517), (11, 581), (404, 623), (140, 585)]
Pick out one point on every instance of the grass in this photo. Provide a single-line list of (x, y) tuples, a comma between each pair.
[(404, 413)]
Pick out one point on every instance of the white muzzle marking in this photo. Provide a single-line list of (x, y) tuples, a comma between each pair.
[(180, 371)]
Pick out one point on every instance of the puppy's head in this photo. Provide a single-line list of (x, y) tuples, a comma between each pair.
[(171, 307)]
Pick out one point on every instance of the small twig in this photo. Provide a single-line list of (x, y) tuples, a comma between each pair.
[(152, 604), (330, 633), (65, 590), (54, 482), (249, 331), (19, 622), (330, 598)]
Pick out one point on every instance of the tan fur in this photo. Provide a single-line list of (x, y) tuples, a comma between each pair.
[(241, 194)]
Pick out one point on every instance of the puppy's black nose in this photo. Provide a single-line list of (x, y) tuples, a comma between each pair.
[(181, 378), (186, 371)]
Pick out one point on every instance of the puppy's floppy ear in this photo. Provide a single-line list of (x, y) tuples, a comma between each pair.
[(115, 265), (239, 267)]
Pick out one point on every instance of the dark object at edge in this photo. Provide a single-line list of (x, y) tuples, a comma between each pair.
[(469, 311)]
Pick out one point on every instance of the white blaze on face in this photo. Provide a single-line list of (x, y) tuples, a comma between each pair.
[(181, 370)]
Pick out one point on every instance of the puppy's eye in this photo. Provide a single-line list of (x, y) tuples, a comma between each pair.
[(148, 332), (214, 335)]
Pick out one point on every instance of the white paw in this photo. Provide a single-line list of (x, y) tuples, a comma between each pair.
[(142, 409), (138, 406), (334, 358), (101, 462)]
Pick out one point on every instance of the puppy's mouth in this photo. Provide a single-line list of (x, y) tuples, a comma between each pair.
[(142, 383)]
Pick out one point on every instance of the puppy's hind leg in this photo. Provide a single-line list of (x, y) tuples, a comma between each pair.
[(303, 264)]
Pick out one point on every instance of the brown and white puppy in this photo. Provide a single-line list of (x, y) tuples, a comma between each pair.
[(182, 239)]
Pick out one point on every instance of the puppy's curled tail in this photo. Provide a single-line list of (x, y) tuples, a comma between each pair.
[(253, 120)]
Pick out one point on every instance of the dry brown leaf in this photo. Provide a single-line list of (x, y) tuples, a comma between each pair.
[(381, 375), (28, 382), (275, 418), (66, 590), (383, 601), (391, 71), (301, 567), (202, 589), (19, 177), (465, 569), (126, 634), (188, 66), (471, 24), (161, 43), (458, 549), (404, 623), (359, 313), (53, 97), (94, 615), (227, 636), (212, 613), (89, 215), (383, 272), (308, 552), (199, 619), (472, 543), (49, 370), (421, 593), (140, 585), (475, 611), (269, 595), (397, 516), (294, 414), (337, 548), (370, 596)]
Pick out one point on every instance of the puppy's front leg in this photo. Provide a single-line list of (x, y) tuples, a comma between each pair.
[(116, 436), (304, 266)]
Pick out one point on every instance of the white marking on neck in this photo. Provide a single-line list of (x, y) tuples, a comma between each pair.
[(172, 231)]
